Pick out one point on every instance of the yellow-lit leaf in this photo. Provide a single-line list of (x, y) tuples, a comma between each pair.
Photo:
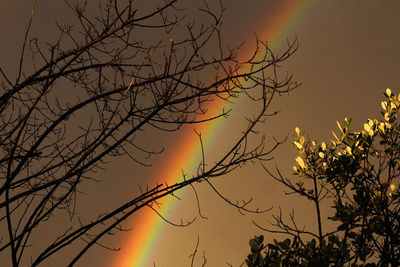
[(393, 187), (301, 140), (337, 139), (367, 128), (297, 130), (300, 161), (340, 127), (298, 145), (323, 146), (382, 127), (384, 105), (387, 116), (371, 122)]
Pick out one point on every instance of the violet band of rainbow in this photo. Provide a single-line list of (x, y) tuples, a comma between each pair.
[(142, 239)]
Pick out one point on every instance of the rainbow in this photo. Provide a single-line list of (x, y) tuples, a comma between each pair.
[(142, 240)]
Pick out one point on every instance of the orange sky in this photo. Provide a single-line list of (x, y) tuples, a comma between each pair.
[(348, 56)]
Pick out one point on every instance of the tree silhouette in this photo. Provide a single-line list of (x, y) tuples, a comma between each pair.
[(83, 99), (357, 174)]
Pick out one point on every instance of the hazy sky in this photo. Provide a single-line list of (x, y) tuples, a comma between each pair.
[(348, 55)]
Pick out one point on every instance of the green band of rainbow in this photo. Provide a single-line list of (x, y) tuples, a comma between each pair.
[(142, 240)]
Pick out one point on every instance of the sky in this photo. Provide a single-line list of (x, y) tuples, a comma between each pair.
[(348, 55)]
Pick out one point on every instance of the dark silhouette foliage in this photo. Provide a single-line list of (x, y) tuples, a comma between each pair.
[(358, 174)]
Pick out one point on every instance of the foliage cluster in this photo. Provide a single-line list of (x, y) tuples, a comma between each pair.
[(358, 173)]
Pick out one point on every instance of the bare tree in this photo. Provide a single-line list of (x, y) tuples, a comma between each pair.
[(82, 100)]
